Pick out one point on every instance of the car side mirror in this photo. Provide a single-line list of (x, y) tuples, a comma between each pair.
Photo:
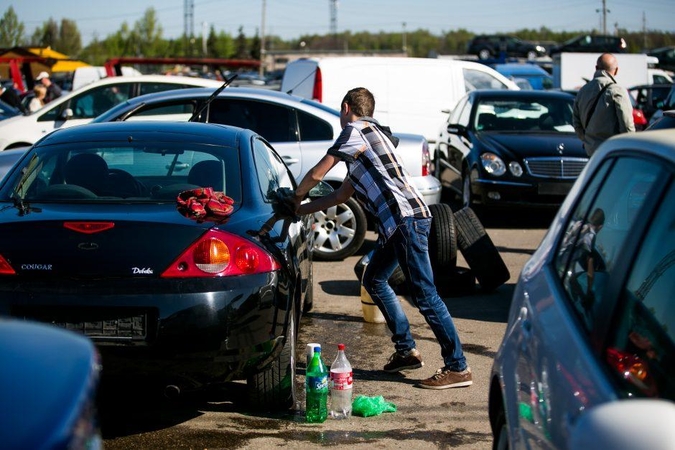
[(626, 424), (456, 128), (67, 114), (320, 190)]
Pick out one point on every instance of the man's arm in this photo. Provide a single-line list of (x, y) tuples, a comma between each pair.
[(315, 174), (341, 195)]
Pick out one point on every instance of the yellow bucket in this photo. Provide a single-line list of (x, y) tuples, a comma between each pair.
[(371, 313)]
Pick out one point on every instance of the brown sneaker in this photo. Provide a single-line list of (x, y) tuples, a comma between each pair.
[(445, 379), (398, 362)]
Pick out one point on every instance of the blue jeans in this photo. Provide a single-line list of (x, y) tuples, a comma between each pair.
[(408, 247)]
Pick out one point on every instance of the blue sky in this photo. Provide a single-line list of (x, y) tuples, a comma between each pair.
[(293, 18)]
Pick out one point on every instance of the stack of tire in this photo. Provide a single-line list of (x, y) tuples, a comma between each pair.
[(452, 232)]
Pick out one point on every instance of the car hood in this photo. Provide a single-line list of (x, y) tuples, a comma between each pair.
[(519, 145), (142, 240)]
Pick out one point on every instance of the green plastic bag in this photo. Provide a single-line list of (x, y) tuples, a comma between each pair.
[(371, 406)]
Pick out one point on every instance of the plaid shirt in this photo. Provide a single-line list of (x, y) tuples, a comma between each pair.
[(381, 183)]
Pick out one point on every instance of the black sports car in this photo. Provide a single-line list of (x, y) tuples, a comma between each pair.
[(165, 243), (510, 147)]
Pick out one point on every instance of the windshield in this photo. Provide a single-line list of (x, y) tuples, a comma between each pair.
[(535, 114)]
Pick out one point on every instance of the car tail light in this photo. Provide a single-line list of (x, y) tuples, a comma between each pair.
[(220, 254), (317, 92), (426, 159), (632, 369), (5, 267), (639, 117), (89, 227)]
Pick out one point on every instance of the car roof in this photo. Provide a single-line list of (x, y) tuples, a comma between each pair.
[(659, 143), (196, 132), (520, 69), (526, 94)]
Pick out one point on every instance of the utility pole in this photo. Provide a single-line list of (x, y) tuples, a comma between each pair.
[(188, 22), (604, 11), (333, 21), (261, 69)]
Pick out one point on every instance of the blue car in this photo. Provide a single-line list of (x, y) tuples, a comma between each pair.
[(536, 77), (592, 320), (48, 385)]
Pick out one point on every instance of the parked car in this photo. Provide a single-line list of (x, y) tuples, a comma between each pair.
[(501, 148), (162, 243), (649, 97), (7, 111), (493, 45), (666, 120), (81, 106), (592, 43), (591, 318), (667, 105), (537, 78), (666, 57), (301, 131), (48, 387)]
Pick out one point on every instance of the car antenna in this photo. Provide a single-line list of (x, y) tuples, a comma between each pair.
[(208, 101)]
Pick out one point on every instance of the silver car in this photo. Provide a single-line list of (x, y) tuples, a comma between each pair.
[(301, 131), (592, 319)]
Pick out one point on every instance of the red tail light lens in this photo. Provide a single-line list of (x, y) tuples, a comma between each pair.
[(317, 92), (426, 159), (219, 254), (5, 267), (632, 369)]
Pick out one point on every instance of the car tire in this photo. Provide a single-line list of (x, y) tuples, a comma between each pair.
[(467, 197), (339, 231), (442, 238), (479, 252), (459, 282), (501, 438), (273, 389), (484, 54)]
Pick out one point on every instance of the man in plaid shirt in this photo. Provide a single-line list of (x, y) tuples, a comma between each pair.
[(380, 183)]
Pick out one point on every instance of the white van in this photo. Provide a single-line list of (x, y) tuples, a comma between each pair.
[(412, 95)]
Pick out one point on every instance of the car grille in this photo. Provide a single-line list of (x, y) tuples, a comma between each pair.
[(553, 167)]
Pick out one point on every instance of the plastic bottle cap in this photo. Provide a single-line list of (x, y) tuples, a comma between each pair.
[(341, 346), (317, 349)]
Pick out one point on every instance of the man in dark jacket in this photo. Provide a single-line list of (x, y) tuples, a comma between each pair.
[(53, 89), (9, 95), (602, 108)]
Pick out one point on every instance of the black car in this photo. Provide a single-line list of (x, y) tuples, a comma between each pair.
[(666, 120), (649, 97), (7, 111), (492, 46), (666, 57), (503, 148), (163, 243), (592, 43)]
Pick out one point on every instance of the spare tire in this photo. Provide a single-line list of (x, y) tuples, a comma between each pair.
[(442, 244), (479, 252)]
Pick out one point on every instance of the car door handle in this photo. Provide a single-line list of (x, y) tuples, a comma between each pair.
[(288, 160)]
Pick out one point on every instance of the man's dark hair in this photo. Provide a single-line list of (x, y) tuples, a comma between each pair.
[(360, 101)]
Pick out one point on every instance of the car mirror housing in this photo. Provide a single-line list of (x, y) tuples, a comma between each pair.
[(67, 114), (456, 128)]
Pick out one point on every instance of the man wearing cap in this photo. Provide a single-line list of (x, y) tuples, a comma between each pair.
[(53, 90)]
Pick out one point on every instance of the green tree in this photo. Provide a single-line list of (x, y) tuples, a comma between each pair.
[(241, 46), (148, 33), (11, 30), (69, 41)]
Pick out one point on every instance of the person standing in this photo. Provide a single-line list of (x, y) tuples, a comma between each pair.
[(53, 89), (602, 108), (38, 101), (379, 182)]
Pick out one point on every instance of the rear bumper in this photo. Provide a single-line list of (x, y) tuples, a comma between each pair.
[(430, 188), (213, 332), (542, 193)]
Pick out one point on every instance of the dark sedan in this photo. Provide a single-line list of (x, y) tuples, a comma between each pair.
[(503, 148), (163, 243)]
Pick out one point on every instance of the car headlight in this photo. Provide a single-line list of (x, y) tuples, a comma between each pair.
[(515, 169), (493, 164)]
